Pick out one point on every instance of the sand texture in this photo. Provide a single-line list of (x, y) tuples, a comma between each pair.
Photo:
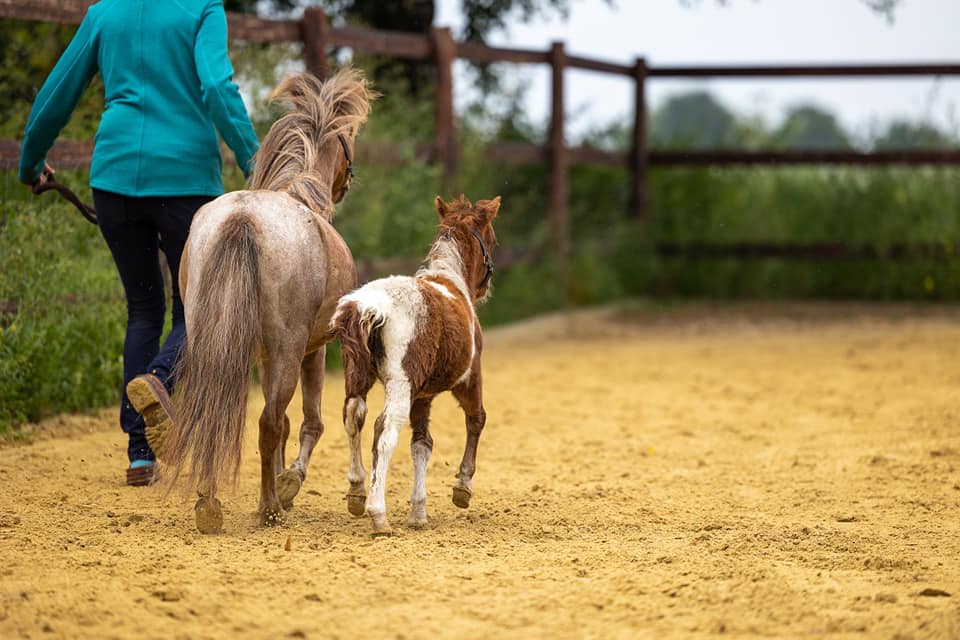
[(730, 471)]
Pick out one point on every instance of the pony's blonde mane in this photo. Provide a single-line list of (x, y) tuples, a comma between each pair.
[(319, 111)]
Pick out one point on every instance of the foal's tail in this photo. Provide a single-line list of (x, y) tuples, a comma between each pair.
[(214, 367), (354, 325)]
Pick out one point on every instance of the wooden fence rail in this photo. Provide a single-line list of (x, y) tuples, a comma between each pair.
[(319, 37)]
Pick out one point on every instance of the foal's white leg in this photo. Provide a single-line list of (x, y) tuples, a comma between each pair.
[(421, 445), (395, 411), (418, 499), (355, 412)]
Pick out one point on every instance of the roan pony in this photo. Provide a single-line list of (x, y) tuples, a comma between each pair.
[(419, 336), (261, 275)]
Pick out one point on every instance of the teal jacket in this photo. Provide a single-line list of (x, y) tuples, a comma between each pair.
[(168, 89)]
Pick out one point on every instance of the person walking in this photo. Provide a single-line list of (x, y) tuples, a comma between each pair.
[(168, 89)]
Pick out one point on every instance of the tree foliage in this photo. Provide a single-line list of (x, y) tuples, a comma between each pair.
[(28, 53), (901, 134), (694, 120), (697, 120), (481, 17), (810, 127)]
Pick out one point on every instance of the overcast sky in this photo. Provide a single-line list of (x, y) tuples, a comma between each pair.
[(744, 31)]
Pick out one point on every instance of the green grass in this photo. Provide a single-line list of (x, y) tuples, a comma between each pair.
[(875, 207), (62, 315)]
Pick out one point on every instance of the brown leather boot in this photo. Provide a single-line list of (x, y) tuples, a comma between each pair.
[(148, 396)]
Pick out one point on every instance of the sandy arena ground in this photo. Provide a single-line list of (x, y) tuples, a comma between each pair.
[(753, 471)]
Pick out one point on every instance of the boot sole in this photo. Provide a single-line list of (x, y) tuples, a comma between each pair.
[(149, 397)]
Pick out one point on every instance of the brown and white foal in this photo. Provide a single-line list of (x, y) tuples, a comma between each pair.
[(419, 336)]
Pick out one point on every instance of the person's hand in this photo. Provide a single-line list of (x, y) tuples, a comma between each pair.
[(45, 176)]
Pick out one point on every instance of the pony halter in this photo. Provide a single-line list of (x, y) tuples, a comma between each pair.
[(346, 152), (487, 261)]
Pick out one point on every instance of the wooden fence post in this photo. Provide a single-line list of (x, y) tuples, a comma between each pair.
[(444, 52), (315, 37), (639, 156), (559, 167)]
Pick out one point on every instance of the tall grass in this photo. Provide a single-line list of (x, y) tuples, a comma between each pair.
[(61, 313), (872, 206)]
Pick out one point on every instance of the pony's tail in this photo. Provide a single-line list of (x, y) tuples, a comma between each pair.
[(214, 367), (354, 326)]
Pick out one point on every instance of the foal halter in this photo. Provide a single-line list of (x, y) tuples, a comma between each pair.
[(346, 152), (487, 261)]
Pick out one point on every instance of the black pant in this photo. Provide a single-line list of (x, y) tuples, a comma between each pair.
[(135, 229)]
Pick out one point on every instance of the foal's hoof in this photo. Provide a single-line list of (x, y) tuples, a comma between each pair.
[(356, 505), (272, 518), (209, 515), (461, 497), (288, 486)]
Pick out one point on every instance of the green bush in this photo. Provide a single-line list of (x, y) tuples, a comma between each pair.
[(521, 292), (61, 313)]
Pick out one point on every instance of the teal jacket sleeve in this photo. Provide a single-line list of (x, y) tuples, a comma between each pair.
[(57, 99), (220, 94)]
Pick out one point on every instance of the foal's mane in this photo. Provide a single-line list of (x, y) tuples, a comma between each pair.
[(319, 111), (439, 250)]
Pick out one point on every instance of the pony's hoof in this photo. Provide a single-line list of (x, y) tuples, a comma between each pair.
[(418, 516), (461, 497), (381, 527), (272, 518), (356, 504), (209, 515), (288, 486)]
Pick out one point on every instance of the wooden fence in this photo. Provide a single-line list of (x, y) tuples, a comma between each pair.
[(319, 37)]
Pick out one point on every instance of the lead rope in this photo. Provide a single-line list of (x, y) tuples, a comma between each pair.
[(85, 210)]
